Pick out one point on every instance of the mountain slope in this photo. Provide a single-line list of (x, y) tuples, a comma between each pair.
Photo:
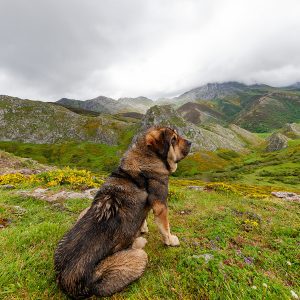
[(200, 113), (212, 91), (270, 111), (211, 137), (108, 105), (99, 104), (41, 122)]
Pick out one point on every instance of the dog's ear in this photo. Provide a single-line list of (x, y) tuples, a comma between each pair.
[(159, 141)]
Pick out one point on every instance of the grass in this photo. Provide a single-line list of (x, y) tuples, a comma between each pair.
[(252, 243), (95, 157)]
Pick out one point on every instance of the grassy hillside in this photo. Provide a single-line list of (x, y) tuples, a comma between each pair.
[(96, 157), (279, 168), (232, 247)]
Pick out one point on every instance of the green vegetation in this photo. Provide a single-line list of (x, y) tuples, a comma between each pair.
[(96, 157), (232, 247), (279, 168)]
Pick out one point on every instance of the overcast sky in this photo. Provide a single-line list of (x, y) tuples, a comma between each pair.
[(78, 49)]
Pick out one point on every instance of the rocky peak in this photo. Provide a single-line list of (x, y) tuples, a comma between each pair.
[(212, 91)]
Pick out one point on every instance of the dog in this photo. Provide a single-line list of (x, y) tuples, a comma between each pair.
[(103, 252)]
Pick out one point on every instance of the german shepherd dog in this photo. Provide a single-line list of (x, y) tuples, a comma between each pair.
[(103, 252)]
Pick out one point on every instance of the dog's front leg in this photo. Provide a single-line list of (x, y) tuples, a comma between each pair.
[(160, 211)]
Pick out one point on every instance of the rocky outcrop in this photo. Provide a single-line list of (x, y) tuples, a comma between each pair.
[(291, 130), (277, 141), (40, 122), (288, 196), (211, 137), (52, 196)]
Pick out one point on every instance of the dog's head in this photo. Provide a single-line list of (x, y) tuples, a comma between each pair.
[(168, 145)]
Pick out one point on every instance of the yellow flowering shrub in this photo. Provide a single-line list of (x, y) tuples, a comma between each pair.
[(17, 178), (66, 176), (73, 177)]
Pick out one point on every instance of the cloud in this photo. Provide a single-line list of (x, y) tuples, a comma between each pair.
[(70, 48)]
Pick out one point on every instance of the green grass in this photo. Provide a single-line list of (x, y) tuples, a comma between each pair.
[(263, 135), (101, 158), (283, 167), (95, 157), (211, 223)]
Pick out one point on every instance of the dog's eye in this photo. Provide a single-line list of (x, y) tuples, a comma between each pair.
[(174, 140)]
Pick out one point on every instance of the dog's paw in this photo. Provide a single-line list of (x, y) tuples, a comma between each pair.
[(139, 243), (173, 241)]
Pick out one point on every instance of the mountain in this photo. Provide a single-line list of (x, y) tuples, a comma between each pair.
[(270, 111), (104, 104), (99, 104), (295, 86), (258, 108), (138, 104), (40, 122), (212, 91), (211, 137)]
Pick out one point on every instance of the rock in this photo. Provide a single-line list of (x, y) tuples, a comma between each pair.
[(49, 196), (7, 186), (277, 141), (288, 196), (291, 130), (91, 193), (195, 187)]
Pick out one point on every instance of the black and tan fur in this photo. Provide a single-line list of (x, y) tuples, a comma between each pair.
[(103, 252)]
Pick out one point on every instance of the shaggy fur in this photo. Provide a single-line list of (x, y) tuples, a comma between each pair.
[(103, 253)]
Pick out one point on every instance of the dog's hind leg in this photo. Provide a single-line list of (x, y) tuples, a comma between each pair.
[(115, 272)]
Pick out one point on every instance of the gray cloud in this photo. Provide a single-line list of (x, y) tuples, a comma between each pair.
[(80, 49)]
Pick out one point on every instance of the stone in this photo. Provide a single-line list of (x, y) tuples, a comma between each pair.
[(7, 186), (288, 196), (276, 141), (195, 187), (50, 196)]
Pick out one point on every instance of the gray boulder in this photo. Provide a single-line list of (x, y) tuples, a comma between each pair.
[(276, 141)]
